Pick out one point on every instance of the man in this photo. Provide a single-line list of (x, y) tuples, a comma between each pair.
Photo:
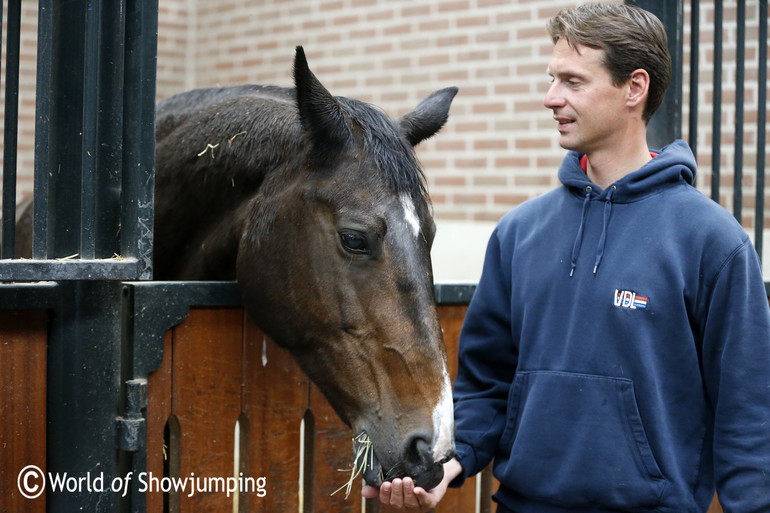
[(616, 354)]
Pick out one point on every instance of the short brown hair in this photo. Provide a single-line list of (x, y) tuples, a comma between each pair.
[(630, 37)]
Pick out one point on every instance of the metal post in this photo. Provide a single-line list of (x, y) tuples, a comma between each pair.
[(666, 125), (11, 128)]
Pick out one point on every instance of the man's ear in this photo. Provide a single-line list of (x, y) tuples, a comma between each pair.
[(638, 88)]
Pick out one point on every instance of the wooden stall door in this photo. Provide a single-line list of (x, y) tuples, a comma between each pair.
[(23, 360), (220, 370)]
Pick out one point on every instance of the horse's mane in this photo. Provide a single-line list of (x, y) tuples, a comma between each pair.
[(255, 127)]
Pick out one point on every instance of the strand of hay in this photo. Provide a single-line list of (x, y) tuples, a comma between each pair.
[(364, 455), (230, 140), (208, 147)]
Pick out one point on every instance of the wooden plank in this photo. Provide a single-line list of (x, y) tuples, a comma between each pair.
[(206, 400), (333, 453), (451, 318), (158, 412), (275, 398), (23, 360)]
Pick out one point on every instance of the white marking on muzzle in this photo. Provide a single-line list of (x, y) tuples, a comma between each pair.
[(443, 422), (410, 214)]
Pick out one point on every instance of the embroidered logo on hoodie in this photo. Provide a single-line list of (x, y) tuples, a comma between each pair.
[(629, 299)]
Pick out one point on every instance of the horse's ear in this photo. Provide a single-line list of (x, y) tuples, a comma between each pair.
[(319, 112), (428, 117)]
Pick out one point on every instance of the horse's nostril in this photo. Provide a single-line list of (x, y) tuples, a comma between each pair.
[(419, 463), (418, 451)]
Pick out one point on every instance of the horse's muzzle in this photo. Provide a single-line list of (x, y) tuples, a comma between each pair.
[(417, 462)]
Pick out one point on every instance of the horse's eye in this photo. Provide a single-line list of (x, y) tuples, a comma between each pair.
[(354, 242)]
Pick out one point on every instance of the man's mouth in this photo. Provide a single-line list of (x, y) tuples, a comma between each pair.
[(563, 122)]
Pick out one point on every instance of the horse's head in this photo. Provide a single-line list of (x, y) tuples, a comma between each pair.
[(336, 268)]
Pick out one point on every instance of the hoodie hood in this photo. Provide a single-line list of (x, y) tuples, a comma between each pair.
[(673, 165)]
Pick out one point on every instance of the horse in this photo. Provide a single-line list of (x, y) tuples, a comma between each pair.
[(317, 206)]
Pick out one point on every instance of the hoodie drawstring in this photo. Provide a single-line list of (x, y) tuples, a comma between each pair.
[(603, 238), (579, 236)]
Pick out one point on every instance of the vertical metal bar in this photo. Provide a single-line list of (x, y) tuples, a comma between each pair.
[(90, 125), (761, 128), (43, 108), (66, 135), (666, 124), (11, 126), (694, 71), (110, 137), (716, 123), (139, 130), (740, 82)]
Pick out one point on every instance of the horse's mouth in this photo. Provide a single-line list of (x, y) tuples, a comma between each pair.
[(425, 476), (365, 460), (372, 473)]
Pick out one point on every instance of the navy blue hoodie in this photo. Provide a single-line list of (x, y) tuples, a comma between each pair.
[(616, 353)]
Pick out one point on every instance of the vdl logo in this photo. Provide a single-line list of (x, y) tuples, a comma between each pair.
[(629, 299)]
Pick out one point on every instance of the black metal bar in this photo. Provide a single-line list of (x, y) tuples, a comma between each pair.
[(740, 82), (83, 392), (666, 124), (5, 210), (70, 269), (11, 126), (694, 71), (139, 130), (65, 138), (28, 296), (761, 128), (40, 240), (111, 113), (716, 122), (88, 177)]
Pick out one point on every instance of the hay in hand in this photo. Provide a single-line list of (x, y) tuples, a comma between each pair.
[(364, 455)]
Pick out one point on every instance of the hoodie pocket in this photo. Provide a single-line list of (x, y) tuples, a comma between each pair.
[(578, 440)]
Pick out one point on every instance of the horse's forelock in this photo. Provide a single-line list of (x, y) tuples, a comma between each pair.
[(393, 156)]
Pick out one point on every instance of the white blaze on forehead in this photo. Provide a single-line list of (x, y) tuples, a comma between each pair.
[(410, 214), (443, 422)]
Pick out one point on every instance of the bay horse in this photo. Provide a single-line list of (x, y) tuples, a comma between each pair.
[(317, 206)]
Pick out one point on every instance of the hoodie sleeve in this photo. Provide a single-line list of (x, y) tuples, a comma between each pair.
[(487, 362), (736, 361)]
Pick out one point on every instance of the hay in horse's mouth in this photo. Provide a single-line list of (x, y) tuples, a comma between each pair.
[(365, 464)]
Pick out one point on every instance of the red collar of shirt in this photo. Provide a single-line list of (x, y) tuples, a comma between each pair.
[(584, 161)]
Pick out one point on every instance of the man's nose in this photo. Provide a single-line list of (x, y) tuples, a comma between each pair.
[(553, 98)]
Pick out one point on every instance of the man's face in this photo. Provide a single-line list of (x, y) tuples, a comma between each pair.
[(589, 109)]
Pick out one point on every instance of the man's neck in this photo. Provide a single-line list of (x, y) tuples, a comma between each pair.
[(607, 166)]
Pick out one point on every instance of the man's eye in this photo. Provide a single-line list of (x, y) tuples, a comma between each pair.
[(354, 242)]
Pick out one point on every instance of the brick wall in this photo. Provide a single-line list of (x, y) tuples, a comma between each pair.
[(499, 146), (728, 112), (27, 75)]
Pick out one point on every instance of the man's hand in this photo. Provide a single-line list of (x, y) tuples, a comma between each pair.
[(401, 494)]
